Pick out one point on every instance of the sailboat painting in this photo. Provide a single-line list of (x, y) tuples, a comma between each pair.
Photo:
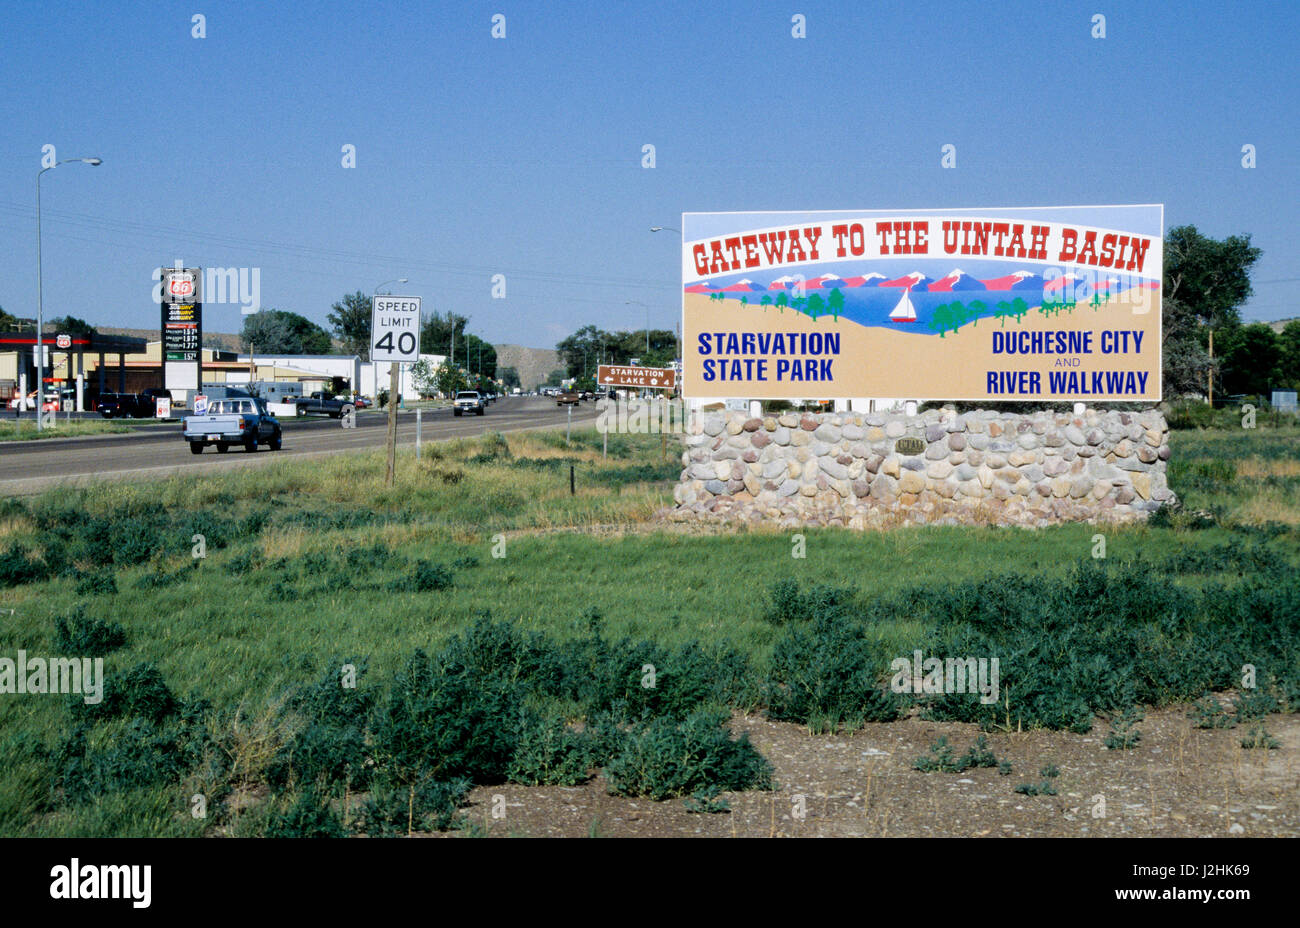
[(904, 311)]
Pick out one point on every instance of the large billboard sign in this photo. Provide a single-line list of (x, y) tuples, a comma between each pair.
[(1027, 304)]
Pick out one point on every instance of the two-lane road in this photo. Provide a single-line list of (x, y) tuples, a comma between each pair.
[(33, 466)]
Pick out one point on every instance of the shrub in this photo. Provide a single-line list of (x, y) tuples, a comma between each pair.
[(663, 758), (96, 584), (1123, 736), (427, 576), (308, 816), (1044, 786), (550, 753), (442, 725), (824, 674), (423, 804), (17, 568), (140, 692), (87, 637), (1258, 737), (940, 757), (328, 751), (788, 603)]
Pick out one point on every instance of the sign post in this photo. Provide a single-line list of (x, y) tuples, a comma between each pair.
[(395, 338)]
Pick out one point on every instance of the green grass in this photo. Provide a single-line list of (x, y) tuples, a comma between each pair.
[(311, 562), (24, 429)]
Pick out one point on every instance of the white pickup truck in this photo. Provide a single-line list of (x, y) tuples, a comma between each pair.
[(238, 420)]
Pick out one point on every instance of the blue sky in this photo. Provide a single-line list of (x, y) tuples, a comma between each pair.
[(522, 156)]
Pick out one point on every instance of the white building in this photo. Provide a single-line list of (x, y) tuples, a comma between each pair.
[(325, 366), (375, 376)]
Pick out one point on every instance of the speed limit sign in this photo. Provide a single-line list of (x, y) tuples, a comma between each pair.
[(395, 329)]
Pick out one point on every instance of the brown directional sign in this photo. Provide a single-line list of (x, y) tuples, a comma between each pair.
[(613, 375)]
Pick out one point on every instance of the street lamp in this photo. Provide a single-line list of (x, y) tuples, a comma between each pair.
[(396, 280), (40, 290)]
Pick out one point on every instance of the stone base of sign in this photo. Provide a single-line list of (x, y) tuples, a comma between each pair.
[(866, 470)]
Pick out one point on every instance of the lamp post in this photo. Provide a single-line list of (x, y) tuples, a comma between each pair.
[(40, 289)]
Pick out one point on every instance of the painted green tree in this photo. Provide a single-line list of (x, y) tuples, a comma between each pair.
[(782, 301), (960, 315), (798, 303), (943, 319), (744, 301), (836, 303), (1004, 310), (977, 308), (766, 301), (1018, 308), (816, 305), (1096, 300)]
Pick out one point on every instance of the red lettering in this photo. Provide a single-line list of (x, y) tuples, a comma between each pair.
[(1038, 242), (1088, 253), (857, 239), (717, 262), (812, 233), (1068, 239), (840, 232), (1108, 250), (1017, 247), (751, 250), (950, 240), (1138, 253), (883, 230), (701, 259), (776, 254), (1000, 230)]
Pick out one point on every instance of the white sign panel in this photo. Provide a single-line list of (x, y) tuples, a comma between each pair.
[(395, 329), (162, 407)]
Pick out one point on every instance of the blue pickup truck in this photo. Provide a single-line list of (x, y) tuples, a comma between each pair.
[(236, 420)]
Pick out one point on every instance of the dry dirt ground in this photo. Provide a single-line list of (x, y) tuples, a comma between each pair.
[(1178, 782)]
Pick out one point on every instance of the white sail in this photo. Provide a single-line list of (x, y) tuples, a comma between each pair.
[(904, 311)]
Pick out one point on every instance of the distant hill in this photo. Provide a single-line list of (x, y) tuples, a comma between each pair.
[(533, 364), (226, 341), (223, 340), (1280, 324)]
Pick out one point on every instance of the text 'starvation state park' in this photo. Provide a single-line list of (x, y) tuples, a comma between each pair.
[(1044, 303)]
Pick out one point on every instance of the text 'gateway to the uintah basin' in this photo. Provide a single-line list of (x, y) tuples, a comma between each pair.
[(1014, 240)]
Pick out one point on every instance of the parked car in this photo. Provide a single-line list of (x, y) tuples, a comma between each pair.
[(234, 421), (360, 402), (130, 405), (320, 403), (469, 401)]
